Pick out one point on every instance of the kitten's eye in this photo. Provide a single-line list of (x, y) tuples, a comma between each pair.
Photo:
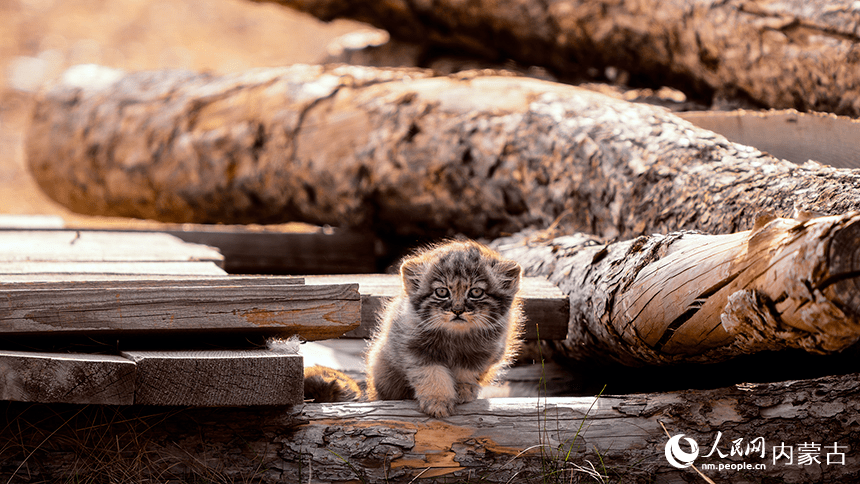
[(476, 292), (442, 292)]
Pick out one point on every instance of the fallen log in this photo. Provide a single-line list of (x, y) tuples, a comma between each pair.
[(622, 438), (415, 156), (784, 54), (687, 296)]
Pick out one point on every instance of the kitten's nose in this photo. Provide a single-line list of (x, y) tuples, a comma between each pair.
[(458, 311)]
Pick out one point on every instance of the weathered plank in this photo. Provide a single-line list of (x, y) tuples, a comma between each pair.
[(546, 308), (82, 246), (269, 251), (66, 378), (69, 271), (142, 282), (255, 249), (44, 254), (217, 378), (267, 305)]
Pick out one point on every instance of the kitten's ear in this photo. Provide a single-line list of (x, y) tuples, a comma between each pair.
[(410, 272), (509, 275)]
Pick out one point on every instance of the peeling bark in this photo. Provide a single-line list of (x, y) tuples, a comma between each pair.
[(403, 153), (783, 54), (497, 440), (686, 297)]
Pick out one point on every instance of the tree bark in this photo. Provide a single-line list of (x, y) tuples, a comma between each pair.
[(784, 54), (500, 440), (688, 297), (403, 154)]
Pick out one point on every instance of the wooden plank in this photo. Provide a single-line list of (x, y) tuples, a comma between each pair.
[(265, 305), (84, 246), (217, 378), (47, 271), (66, 378), (267, 251), (205, 378), (143, 282), (547, 309), (273, 249)]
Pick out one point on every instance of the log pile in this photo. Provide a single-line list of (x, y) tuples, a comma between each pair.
[(404, 154)]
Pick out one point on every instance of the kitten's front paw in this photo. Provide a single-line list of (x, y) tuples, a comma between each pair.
[(467, 392), (436, 407)]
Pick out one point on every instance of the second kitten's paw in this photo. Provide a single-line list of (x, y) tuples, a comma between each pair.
[(436, 407), (467, 392)]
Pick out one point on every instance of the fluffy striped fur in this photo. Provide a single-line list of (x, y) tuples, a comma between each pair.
[(324, 385), (456, 323)]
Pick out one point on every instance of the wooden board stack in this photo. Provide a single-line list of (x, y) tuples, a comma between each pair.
[(131, 286), (135, 317)]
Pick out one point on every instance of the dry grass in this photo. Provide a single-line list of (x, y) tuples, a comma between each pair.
[(103, 444)]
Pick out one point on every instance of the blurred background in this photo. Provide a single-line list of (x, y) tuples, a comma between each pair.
[(39, 39)]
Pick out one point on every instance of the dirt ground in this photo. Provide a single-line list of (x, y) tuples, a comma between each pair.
[(39, 39)]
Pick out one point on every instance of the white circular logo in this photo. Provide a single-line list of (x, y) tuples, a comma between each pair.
[(677, 457)]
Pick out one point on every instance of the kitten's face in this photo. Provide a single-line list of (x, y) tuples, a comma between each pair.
[(461, 287)]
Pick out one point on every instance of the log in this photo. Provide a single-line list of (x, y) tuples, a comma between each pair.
[(784, 54), (497, 440), (479, 154), (690, 297)]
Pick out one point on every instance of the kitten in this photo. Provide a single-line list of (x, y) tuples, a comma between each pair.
[(456, 323)]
